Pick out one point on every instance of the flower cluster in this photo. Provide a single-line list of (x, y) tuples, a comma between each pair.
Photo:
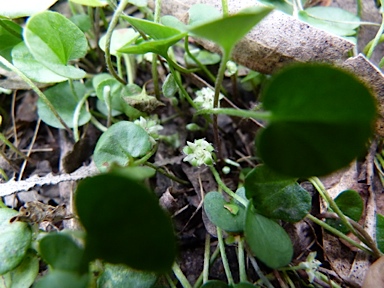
[(198, 153), (310, 266), (204, 98), (151, 126)]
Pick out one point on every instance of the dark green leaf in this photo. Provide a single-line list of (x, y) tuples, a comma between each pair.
[(15, 239), (64, 279), (215, 284), (10, 36), (61, 252), (65, 102), (219, 212), (123, 276), (121, 143), (243, 285), (124, 223), (380, 231), (82, 21), (322, 118), (267, 239)]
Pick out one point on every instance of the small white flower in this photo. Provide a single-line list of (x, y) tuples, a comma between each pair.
[(310, 266), (151, 126), (198, 153), (204, 98)]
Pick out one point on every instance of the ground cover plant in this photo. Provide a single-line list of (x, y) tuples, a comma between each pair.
[(170, 133)]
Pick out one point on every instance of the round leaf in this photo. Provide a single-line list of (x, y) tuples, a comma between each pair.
[(124, 223), (322, 118), (65, 102), (123, 276), (22, 8), (65, 278), (277, 196), (54, 52), (15, 239), (61, 252), (119, 144), (267, 240), (219, 213)]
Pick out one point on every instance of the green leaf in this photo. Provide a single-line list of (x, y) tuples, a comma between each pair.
[(15, 239), (202, 13), (203, 56), (10, 36), (124, 223), (169, 87), (120, 38), (243, 285), (215, 284), (82, 21), (322, 118), (65, 278), (351, 204), (91, 3), (62, 253), (121, 143), (32, 68), (284, 6), (219, 213), (380, 231), (22, 8), (221, 30), (23, 275), (64, 101), (172, 21), (277, 196), (331, 19), (123, 276), (267, 240), (68, 43)]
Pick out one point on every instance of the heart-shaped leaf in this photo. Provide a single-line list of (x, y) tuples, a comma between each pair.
[(124, 223), (277, 196), (222, 214), (65, 101), (54, 52), (120, 144), (322, 118), (267, 239), (15, 239)]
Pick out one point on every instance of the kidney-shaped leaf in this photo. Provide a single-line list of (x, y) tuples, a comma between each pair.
[(322, 118), (53, 40), (267, 239), (121, 143), (229, 216), (277, 196), (15, 239), (124, 223)]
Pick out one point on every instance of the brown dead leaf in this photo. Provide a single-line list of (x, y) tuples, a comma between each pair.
[(374, 277)]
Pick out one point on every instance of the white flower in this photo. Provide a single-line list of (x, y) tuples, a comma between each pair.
[(310, 265), (151, 126), (198, 153), (204, 98)]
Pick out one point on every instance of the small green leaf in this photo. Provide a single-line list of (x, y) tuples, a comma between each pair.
[(121, 143), (351, 204), (91, 3), (65, 278), (123, 276), (218, 213), (203, 56), (61, 252), (68, 43), (169, 87), (172, 21), (64, 101), (284, 6), (276, 196), (15, 239), (331, 19), (9, 38), (322, 118), (124, 223), (32, 68), (82, 21), (202, 13), (120, 38), (380, 231), (22, 8), (221, 30), (215, 284), (267, 240), (23, 275)]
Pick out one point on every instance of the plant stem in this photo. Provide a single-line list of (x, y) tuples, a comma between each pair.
[(224, 258), (238, 113), (226, 189), (224, 4), (98, 125), (180, 276), (183, 92), (76, 116), (206, 257), (377, 37), (108, 37), (199, 280), (337, 233), (258, 271), (165, 173), (12, 147), (155, 75), (37, 91), (241, 257)]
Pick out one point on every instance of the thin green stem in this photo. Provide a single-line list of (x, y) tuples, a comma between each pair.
[(155, 74), (214, 255), (377, 38), (224, 258), (76, 117), (226, 189), (108, 103), (145, 158), (259, 273), (11, 146), (108, 37), (238, 113), (207, 251), (338, 233), (165, 173), (180, 276), (224, 4), (129, 66), (119, 66), (241, 257), (170, 282), (184, 93), (6, 63)]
